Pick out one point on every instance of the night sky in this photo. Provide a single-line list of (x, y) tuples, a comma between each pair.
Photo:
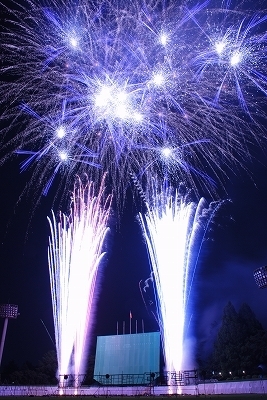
[(237, 246)]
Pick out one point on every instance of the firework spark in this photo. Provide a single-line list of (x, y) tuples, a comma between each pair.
[(174, 229), (135, 89), (75, 253), (110, 85)]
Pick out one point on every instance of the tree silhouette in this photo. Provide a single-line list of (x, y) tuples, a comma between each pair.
[(241, 343)]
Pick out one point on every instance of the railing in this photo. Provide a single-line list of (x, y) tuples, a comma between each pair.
[(127, 379), (181, 378)]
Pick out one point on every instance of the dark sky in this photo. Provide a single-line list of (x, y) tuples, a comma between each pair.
[(25, 277), (225, 270)]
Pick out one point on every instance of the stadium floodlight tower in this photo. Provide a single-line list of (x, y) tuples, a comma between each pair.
[(7, 311), (260, 276)]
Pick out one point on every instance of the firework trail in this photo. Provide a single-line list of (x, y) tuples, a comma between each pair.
[(174, 229), (74, 254), (139, 88)]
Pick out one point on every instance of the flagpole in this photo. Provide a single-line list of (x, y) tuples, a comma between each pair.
[(130, 322)]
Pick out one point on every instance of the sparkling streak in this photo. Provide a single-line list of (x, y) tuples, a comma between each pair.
[(174, 234), (116, 78), (74, 254)]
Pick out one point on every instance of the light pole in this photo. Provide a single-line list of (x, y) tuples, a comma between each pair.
[(7, 311), (260, 276)]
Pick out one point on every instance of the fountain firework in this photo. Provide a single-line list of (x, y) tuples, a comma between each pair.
[(75, 253), (174, 229)]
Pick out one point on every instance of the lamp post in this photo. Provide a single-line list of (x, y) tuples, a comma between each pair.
[(260, 276), (7, 311)]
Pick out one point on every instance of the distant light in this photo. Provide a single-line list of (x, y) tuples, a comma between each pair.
[(73, 41), (61, 132), (235, 59), (163, 39), (166, 152), (8, 311), (260, 276), (158, 79), (219, 47), (63, 155)]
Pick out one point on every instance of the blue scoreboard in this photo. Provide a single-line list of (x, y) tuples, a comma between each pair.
[(137, 353)]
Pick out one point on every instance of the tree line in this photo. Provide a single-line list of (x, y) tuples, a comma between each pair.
[(240, 347)]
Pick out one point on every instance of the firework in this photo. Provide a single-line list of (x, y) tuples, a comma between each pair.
[(137, 88), (174, 229), (75, 253), (134, 89)]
